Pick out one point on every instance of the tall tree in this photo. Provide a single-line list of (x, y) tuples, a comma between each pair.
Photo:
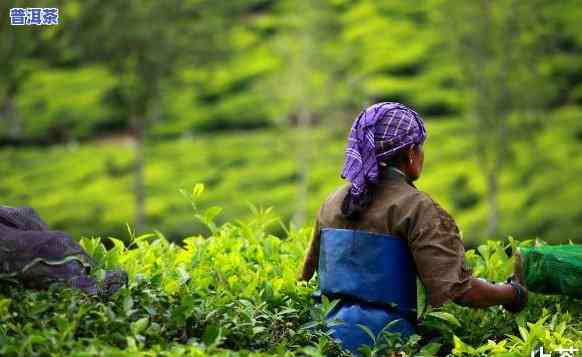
[(145, 43), (496, 45), (304, 78), (21, 51)]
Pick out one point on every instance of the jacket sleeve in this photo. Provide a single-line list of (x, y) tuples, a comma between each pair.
[(438, 252)]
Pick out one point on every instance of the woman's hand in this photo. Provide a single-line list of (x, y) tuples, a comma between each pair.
[(521, 295), (512, 296)]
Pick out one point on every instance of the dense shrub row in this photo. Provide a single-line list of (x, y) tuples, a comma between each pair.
[(235, 293), (87, 189)]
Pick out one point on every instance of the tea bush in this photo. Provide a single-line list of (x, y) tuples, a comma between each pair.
[(234, 293), (87, 188)]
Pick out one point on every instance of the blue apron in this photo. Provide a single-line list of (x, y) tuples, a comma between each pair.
[(374, 277)]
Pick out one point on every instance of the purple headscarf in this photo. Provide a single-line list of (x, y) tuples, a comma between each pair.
[(379, 132)]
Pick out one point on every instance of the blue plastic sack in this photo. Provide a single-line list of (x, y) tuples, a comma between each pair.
[(374, 277)]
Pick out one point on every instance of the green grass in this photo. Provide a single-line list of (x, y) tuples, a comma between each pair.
[(86, 189)]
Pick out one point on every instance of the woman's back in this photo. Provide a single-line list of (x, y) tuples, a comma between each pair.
[(399, 209)]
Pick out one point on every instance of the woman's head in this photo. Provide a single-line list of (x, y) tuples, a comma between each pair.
[(379, 133)]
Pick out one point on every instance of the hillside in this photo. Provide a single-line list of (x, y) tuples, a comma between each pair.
[(86, 189)]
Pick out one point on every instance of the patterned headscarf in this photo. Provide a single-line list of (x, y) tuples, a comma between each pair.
[(378, 133)]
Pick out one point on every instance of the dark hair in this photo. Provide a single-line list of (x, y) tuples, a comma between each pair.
[(352, 210), (398, 159)]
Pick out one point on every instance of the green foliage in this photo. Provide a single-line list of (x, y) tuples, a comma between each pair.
[(86, 189), (235, 290), (242, 65), (205, 64), (234, 293), (77, 112)]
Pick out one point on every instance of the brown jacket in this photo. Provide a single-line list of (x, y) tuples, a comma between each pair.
[(398, 208)]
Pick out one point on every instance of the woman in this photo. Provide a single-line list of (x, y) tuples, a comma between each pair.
[(382, 207)]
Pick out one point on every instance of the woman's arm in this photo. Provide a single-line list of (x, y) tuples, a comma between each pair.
[(312, 256), (484, 294), (439, 255)]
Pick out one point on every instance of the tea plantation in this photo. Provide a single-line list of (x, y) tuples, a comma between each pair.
[(234, 293), (86, 189)]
